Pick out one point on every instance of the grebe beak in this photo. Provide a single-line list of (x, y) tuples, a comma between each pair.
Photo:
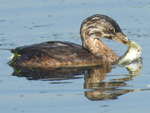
[(120, 37)]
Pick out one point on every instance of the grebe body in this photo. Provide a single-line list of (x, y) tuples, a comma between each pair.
[(58, 54)]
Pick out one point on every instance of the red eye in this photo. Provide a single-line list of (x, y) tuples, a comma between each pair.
[(138, 50)]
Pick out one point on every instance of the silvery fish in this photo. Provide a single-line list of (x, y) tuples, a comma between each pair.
[(133, 53)]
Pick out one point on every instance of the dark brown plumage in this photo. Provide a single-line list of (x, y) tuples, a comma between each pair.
[(65, 54)]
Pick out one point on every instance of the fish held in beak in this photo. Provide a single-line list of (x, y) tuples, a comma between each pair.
[(133, 53)]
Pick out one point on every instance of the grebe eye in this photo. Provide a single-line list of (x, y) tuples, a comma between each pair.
[(138, 50), (112, 29)]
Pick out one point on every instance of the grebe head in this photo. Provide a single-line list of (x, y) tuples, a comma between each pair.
[(101, 26)]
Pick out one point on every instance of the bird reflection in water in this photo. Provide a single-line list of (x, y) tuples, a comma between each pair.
[(98, 88), (102, 90)]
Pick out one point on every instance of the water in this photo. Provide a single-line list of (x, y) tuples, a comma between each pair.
[(114, 91)]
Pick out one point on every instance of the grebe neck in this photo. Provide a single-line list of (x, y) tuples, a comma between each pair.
[(98, 48)]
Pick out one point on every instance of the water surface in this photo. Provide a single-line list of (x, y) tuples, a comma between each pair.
[(100, 90)]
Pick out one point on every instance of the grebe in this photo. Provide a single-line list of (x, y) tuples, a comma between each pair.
[(65, 54)]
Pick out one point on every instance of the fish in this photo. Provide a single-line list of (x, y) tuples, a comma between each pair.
[(132, 54)]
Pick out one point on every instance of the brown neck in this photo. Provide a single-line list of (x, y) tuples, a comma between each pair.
[(98, 48)]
